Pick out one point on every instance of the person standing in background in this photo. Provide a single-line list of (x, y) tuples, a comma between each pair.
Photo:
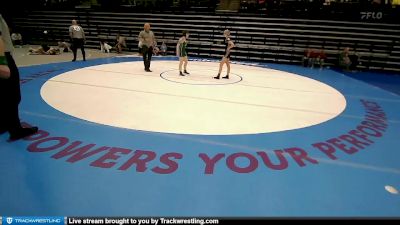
[(77, 35)]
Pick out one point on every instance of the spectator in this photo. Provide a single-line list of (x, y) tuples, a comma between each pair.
[(321, 58), (306, 57), (163, 49), (105, 47), (64, 45), (16, 39), (344, 59), (120, 43), (44, 50), (313, 56), (354, 58)]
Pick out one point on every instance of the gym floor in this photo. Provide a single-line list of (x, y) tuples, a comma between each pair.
[(272, 141)]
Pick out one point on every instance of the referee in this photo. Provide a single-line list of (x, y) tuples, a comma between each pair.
[(78, 39)]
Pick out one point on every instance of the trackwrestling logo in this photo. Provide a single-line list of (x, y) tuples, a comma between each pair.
[(34, 220)]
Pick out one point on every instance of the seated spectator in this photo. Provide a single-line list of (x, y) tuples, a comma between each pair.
[(44, 50), (121, 42), (306, 57), (320, 58), (344, 59), (16, 39), (163, 49), (312, 56), (354, 58), (64, 45), (105, 47)]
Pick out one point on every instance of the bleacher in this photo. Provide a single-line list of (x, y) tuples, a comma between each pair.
[(261, 39)]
